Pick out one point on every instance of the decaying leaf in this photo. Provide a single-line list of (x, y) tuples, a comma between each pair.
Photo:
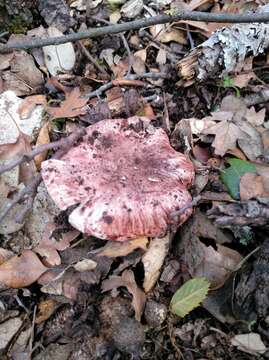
[(43, 138), (232, 175), (73, 105), (251, 186), (153, 260), (115, 249), (213, 263), (226, 135), (85, 265), (127, 280), (45, 309), (29, 103), (189, 296), (49, 245), (21, 270), (250, 343)]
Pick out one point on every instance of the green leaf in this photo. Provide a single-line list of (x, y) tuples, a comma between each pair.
[(231, 177), (189, 296)]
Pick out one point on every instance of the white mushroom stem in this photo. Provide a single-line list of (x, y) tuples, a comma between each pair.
[(153, 260)]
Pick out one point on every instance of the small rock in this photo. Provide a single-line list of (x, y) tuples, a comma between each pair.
[(155, 313), (8, 329)]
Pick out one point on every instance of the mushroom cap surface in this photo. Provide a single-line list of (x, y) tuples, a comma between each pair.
[(125, 179)]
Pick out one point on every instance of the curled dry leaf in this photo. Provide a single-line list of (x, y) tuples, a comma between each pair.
[(73, 105), (45, 309), (249, 343), (127, 280), (153, 261), (49, 246), (43, 138), (115, 249), (29, 103), (251, 186), (21, 270)]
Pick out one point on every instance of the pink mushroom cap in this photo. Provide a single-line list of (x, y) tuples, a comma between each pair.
[(125, 179)]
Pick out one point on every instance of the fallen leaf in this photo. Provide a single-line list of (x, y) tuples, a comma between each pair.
[(42, 139), (49, 246), (21, 270), (8, 330), (173, 35), (232, 175), (189, 296), (29, 103), (251, 186), (255, 118), (45, 309), (250, 343), (153, 261), (5, 255), (213, 263), (5, 60), (85, 265), (73, 105), (115, 249), (127, 280), (132, 8), (226, 135)]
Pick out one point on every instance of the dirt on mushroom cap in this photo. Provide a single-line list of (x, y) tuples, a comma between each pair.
[(126, 179)]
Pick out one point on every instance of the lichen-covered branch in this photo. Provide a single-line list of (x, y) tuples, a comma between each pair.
[(225, 51)]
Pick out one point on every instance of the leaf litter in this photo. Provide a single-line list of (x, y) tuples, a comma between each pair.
[(228, 145)]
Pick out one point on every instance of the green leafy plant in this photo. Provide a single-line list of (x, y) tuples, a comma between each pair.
[(189, 296), (232, 175), (227, 82)]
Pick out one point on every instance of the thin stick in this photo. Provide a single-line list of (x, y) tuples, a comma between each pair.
[(30, 156), (137, 24)]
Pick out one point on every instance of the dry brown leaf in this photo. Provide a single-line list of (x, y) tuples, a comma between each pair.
[(73, 105), (255, 118), (45, 309), (49, 246), (43, 138), (245, 73), (115, 249), (120, 70), (153, 261), (173, 35), (214, 263), (127, 280), (21, 270), (29, 103), (9, 151), (227, 134), (251, 186), (5, 255)]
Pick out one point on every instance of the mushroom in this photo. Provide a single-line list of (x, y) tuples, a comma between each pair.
[(123, 180)]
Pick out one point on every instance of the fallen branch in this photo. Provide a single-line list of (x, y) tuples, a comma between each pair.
[(110, 84), (135, 25), (28, 192), (225, 51), (51, 146)]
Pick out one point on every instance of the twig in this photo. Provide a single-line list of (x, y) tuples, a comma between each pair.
[(110, 84), (51, 146), (31, 189), (124, 41), (135, 25), (88, 55)]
